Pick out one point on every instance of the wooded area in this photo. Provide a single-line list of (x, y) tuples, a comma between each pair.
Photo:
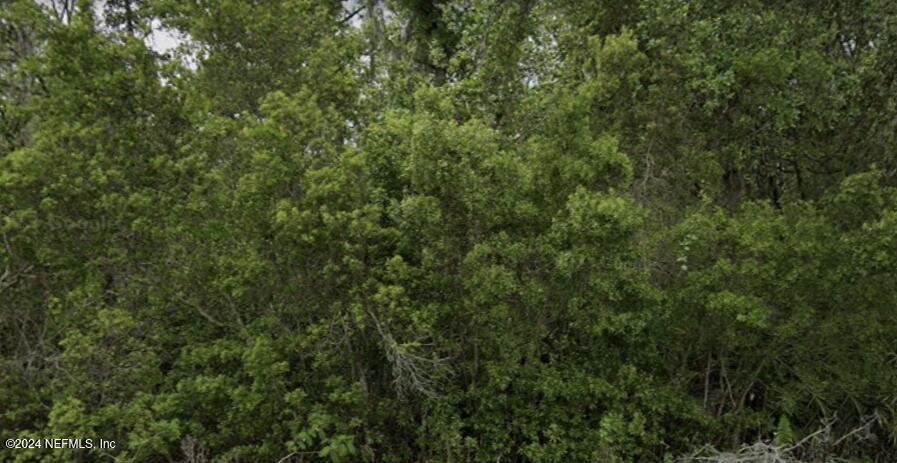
[(449, 231)]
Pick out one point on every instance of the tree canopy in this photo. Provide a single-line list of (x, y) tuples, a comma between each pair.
[(448, 231)]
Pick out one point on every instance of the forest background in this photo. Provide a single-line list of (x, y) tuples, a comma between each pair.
[(449, 231)]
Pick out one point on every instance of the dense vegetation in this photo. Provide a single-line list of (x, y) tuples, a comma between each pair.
[(448, 231)]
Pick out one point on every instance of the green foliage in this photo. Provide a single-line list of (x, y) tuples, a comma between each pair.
[(450, 231)]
